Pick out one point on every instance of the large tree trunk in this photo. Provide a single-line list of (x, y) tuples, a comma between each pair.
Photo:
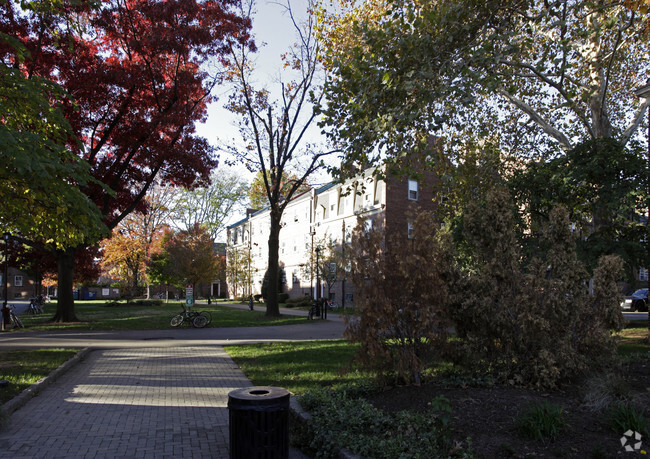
[(272, 305), (65, 303)]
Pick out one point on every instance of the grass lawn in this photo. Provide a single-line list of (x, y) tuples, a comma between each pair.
[(634, 339), (99, 315), (297, 366), (309, 365), (25, 367)]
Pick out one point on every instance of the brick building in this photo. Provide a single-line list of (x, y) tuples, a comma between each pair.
[(318, 220)]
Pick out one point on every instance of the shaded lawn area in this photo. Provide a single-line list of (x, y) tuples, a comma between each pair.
[(100, 315), (634, 339), (298, 366), (22, 368)]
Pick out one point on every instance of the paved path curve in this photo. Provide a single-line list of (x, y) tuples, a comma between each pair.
[(146, 394)]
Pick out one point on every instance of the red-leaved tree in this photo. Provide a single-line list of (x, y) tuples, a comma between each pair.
[(137, 71)]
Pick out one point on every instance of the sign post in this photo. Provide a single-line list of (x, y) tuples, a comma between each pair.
[(189, 296)]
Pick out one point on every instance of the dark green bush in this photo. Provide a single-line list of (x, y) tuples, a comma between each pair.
[(542, 421), (298, 302), (283, 297), (624, 417), (354, 424)]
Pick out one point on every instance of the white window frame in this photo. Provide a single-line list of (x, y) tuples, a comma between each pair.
[(18, 281), (413, 190), (410, 230), (643, 274)]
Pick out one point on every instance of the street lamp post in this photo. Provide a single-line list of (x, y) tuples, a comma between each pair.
[(644, 93), (5, 309), (318, 278)]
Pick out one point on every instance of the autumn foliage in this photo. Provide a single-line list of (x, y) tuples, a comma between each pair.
[(532, 324), (186, 258)]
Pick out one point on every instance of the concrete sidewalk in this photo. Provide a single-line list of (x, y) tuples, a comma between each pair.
[(158, 402)]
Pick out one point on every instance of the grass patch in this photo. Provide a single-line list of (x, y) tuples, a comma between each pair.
[(542, 421), (297, 366), (22, 368), (99, 315), (634, 340), (624, 417)]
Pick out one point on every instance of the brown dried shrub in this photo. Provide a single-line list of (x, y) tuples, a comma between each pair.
[(402, 299)]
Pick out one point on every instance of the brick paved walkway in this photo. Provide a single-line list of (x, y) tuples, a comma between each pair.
[(145, 403)]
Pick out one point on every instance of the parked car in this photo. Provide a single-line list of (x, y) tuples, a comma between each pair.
[(638, 301)]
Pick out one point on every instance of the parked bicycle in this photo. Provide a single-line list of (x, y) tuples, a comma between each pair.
[(315, 310), (14, 320), (36, 305), (198, 319)]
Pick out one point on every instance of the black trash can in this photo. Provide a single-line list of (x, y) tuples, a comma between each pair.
[(259, 423)]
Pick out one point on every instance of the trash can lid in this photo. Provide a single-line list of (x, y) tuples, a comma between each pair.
[(261, 397)]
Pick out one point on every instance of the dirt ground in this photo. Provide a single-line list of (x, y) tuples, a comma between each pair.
[(488, 416)]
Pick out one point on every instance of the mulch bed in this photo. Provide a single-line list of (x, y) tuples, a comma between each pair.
[(488, 416)]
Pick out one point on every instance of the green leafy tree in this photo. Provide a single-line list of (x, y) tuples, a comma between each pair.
[(209, 206), (601, 184), (535, 75), (39, 176)]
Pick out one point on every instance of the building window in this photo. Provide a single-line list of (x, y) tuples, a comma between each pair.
[(410, 230), (349, 297), (18, 281), (332, 268), (413, 190), (643, 274), (379, 190), (348, 235), (368, 225)]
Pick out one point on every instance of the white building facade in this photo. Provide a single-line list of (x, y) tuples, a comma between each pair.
[(316, 220)]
